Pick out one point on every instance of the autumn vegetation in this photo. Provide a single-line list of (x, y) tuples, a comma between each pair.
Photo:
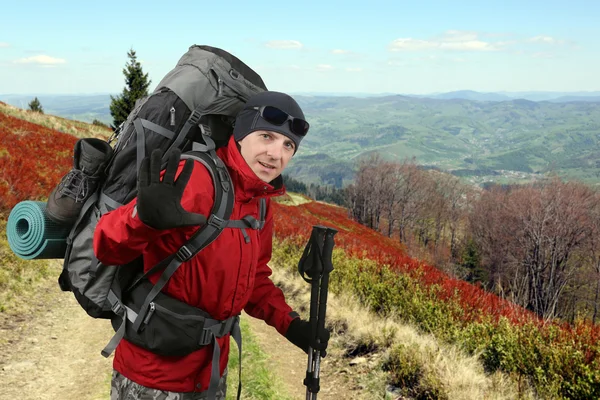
[(560, 360), (534, 244), (507, 274)]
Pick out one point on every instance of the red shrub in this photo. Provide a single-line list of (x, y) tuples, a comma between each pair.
[(295, 223), (33, 159)]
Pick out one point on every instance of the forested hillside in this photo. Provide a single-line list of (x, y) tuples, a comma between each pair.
[(507, 141), (501, 139)]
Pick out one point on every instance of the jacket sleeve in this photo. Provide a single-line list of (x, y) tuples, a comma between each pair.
[(120, 235), (267, 301)]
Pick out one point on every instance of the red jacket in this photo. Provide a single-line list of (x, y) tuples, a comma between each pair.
[(228, 276)]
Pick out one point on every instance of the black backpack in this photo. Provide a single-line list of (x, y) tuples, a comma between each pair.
[(192, 109)]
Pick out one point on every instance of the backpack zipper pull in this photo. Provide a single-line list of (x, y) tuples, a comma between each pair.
[(220, 86), (172, 111), (152, 308)]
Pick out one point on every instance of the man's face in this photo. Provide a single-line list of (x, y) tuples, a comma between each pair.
[(267, 153)]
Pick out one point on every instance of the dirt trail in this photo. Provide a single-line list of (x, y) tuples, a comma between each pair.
[(54, 353), (289, 364)]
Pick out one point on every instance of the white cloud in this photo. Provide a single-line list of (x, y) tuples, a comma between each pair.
[(324, 67), (4, 44), (340, 51), (459, 36), (356, 69), (471, 45), (450, 40), (411, 44), (546, 40), (41, 60), (284, 44)]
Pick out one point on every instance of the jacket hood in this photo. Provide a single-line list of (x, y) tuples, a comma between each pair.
[(247, 185)]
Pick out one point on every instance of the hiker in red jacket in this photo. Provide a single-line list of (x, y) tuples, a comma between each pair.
[(229, 275)]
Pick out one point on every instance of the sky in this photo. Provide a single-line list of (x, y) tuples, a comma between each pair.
[(405, 47)]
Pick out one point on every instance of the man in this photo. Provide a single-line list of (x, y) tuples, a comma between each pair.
[(229, 275)]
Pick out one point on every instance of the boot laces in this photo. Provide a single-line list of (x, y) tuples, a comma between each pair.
[(76, 185)]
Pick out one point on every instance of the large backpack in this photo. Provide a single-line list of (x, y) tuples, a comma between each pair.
[(192, 109)]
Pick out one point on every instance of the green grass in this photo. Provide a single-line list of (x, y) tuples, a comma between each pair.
[(19, 279), (258, 380), (75, 128)]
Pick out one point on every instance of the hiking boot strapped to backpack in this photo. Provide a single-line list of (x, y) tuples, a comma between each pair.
[(192, 109), (90, 157)]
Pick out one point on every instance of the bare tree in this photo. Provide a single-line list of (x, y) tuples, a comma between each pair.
[(365, 195), (410, 181), (531, 237)]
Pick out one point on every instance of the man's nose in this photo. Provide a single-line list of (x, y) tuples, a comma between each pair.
[(274, 151)]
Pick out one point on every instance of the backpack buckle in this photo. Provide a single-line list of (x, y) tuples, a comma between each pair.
[(252, 222), (217, 222), (205, 337), (223, 330), (183, 254), (194, 117), (224, 178), (117, 308)]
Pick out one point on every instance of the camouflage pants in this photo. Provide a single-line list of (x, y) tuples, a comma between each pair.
[(122, 388)]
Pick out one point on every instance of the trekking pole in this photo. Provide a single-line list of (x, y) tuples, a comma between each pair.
[(316, 264)]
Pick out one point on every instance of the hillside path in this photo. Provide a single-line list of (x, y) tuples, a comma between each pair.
[(54, 353), (289, 364)]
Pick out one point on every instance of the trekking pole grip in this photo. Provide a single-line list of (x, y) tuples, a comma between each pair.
[(328, 249), (316, 262), (324, 284)]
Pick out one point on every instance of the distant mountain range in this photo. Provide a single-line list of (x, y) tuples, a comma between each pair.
[(84, 108), (478, 136), (481, 96), (502, 141)]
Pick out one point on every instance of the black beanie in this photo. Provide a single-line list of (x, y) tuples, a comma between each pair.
[(249, 120)]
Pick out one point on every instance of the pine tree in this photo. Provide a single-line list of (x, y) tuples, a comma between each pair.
[(137, 84), (36, 106)]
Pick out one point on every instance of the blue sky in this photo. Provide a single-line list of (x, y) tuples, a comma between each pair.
[(308, 46)]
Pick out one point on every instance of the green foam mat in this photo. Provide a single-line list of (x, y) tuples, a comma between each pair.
[(32, 235)]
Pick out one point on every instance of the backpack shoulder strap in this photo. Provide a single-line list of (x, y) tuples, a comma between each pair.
[(217, 221), (249, 221), (222, 209)]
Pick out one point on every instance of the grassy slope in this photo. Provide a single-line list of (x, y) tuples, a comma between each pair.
[(75, 128), (363, 343)]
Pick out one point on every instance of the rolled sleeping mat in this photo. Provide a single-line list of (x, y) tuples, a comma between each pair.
[(32, 235)]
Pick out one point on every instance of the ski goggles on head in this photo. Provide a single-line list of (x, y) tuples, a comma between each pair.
[(275, 116)]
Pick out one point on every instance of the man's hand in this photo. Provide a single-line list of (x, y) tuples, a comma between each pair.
[(159, 202), (299, 333)]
